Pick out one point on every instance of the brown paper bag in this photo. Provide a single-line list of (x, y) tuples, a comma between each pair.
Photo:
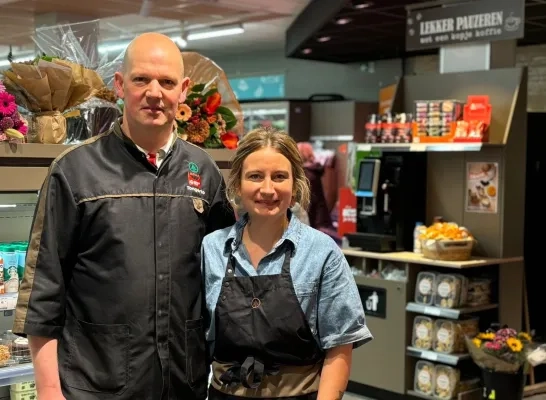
[(47, 128)]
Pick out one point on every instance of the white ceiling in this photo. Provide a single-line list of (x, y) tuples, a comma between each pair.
[(265, 22)]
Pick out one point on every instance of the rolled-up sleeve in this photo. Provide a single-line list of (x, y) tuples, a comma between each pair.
[(341, 318), (41, 302)]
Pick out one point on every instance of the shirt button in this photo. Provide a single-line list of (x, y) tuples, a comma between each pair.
[(226, 284), (223, 297), (160, 277), (229, 270), (160, 244), (160, 313)]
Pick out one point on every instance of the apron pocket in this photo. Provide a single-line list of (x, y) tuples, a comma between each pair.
[(196, 356), (98, 358)]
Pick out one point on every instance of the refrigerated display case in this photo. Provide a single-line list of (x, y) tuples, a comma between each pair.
[(23, 168), (294, 117)]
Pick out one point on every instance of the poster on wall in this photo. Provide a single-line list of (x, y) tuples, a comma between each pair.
[(482, 187)]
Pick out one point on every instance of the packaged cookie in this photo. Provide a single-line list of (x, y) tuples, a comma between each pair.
[(448, 291), (425, 287), (479, 292), (446, 382), (424, 378), (423, 329)]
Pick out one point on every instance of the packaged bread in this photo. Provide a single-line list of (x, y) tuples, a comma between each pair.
[(423, 329), (448, 291), (447, 382), (424, 378), (445, 231), (425, 287)]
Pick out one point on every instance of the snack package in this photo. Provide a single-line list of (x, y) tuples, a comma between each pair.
[(425, 287), (425, 378), (423, 331)]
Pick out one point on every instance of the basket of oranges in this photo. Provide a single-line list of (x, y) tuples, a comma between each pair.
[(446, 241)]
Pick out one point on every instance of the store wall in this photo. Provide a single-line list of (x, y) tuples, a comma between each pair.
[(305, 78), (532, 56)]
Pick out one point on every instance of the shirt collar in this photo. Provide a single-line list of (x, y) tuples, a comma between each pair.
[(119, 132), (291, 235), (165, 149)]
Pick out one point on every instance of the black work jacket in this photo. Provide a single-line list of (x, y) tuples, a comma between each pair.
[(113, 268)]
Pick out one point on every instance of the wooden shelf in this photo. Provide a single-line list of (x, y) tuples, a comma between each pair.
[(52, 151), (31, 150), (413, 258), (452, 313)]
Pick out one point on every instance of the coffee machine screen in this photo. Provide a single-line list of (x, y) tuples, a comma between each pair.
[(368, 181)]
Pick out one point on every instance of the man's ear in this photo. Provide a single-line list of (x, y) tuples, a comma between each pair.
[(118, 84), (185, 88)]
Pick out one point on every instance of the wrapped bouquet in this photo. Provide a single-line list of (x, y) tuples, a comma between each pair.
[(211, 116)]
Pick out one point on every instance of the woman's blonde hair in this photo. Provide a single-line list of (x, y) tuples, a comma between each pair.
[(261, 138)]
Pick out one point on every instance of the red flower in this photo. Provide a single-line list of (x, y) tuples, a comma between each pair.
[(213, 102), (230, 140)]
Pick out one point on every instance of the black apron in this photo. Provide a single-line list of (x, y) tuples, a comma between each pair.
[(260, 326)]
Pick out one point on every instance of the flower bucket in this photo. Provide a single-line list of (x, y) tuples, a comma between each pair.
[(503, 386)]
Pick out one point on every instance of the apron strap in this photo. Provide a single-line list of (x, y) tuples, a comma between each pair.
[(230, 266)]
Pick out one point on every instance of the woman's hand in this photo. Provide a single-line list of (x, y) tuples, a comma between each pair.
[(335, 373)]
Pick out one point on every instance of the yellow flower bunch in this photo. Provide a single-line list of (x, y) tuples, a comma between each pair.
[(514, 344), (486, 336)]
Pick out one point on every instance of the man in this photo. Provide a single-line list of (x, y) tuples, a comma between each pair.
[(111, 299)]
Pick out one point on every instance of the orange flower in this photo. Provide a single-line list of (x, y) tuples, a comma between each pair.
[(230, 140), (184, 113), (212, 119), (213, 102)]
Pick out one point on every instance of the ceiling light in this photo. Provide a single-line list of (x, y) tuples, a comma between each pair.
[(307, 51), (362, 5), (343, 21), (213, 33), (323, 39)]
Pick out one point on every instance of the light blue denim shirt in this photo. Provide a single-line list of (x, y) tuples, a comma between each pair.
[(322, 278)]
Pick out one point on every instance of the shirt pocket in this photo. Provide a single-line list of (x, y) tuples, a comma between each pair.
[(98, 357), (307, 294)]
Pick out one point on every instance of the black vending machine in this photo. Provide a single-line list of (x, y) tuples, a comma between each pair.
[(391, 199)]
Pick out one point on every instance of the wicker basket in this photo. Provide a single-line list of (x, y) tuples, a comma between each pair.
[(447, 250)]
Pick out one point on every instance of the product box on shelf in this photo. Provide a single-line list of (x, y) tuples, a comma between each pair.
[(388, 128), (448, 121)]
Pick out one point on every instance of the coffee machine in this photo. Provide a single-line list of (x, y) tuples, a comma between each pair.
[(391, 199)]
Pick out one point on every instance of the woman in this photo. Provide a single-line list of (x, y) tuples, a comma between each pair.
[(284, 311), (319, 215)]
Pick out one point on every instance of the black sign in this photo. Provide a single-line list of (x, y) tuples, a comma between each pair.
[(374, 301), (472, 21)]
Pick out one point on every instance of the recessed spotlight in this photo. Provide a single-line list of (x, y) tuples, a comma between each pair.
[(323, 39), (307, 51), (343, 21), (362, 5)]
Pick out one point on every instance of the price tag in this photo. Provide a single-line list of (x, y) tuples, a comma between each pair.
[(364, 147), (418, 147), (433, 311), (429, 355)]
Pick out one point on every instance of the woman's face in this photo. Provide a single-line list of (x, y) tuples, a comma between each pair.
[(266, 184)]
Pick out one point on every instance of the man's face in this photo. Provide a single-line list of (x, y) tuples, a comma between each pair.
[(152, 86)]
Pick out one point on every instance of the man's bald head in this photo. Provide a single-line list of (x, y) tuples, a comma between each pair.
[(150, 42)]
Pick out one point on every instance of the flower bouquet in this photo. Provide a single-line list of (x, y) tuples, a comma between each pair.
[(502, 356), (211, 116), (13, 127)]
